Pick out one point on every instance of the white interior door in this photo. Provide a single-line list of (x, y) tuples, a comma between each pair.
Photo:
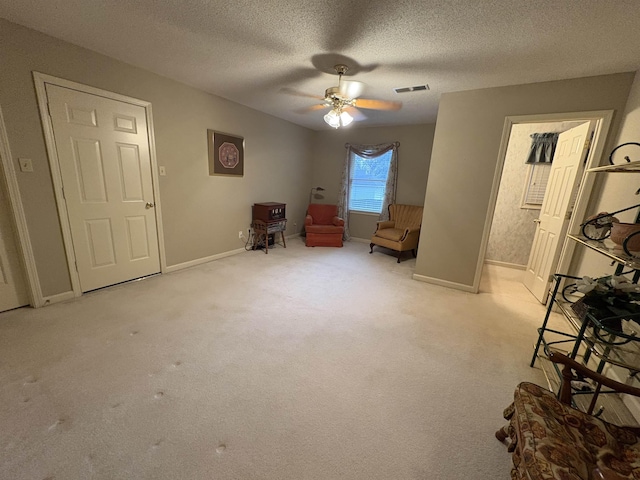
[(103, 153), (564, 179), (13, 292)]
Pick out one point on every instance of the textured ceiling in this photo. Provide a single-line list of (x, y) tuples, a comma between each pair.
[(264, 54)]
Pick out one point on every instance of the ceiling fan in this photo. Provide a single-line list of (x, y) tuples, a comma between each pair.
[(343, 100)]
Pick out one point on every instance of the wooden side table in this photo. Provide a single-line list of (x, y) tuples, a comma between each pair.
[(262, 229)]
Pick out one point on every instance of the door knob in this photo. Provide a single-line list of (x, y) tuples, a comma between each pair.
[(150, 205)]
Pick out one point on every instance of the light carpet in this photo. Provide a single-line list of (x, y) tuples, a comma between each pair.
[(306, 363)]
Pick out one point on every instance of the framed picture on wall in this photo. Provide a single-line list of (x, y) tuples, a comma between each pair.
[(226, 154)]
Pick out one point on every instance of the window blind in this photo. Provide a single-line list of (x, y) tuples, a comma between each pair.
[(536, 185), (367, 183)]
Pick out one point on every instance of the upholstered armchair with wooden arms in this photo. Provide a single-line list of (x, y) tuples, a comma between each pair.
[(551, 440), (402, 231), (323, 227)]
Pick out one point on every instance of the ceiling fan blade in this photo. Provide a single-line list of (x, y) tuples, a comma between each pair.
[(357, 115), (298, 93), (312, 108), (351, 88), (377, 104)]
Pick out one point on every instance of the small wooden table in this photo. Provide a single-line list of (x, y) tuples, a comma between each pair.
[(262, 229)]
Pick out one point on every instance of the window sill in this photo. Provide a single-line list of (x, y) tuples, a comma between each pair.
[(531, 207), (358, 212)]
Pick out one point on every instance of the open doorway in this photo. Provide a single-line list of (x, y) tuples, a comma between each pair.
[(515, 220), (522, 189)]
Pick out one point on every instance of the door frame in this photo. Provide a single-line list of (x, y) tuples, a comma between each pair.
[(25, 249), (603, 120), (40, 80)]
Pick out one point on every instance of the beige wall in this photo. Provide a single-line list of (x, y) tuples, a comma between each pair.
[(618, 191), (614, 191), (202, 214), (465, 152), (413, 165)]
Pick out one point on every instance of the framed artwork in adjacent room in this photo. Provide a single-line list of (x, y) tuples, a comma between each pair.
[(226, 154)]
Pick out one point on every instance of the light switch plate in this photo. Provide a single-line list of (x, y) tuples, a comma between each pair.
[(26, 165), (163, 171)]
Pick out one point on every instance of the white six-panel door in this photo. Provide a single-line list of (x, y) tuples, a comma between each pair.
[(103, 152), (568, 163), (13, 292)]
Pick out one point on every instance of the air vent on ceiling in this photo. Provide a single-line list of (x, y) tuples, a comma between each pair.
[(411, 89)]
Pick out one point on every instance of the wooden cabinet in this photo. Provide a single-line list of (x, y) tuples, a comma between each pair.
[(268, 219)]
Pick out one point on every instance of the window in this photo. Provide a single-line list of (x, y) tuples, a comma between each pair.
[(367, 182), (535, 186)]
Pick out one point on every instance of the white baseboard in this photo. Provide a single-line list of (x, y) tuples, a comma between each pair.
[(200, 261), (60, 297), (632, 403), (360, 240), (445, 283), (515, 266)]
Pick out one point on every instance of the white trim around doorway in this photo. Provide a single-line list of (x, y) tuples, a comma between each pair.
[(40, 80), (25, 248), (603, 120)]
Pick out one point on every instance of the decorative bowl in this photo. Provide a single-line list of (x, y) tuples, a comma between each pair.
[(620, 231), (598, 227)]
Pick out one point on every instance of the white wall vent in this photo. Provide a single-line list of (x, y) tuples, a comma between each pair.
[(412, 89)]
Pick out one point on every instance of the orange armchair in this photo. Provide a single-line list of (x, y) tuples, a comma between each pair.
[(323, 226)]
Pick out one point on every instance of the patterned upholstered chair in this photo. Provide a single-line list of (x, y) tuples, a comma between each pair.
[(552, 440), (323, 227), (402, 231)]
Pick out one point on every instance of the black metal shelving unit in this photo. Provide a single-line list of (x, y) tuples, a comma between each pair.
[(584, 337)]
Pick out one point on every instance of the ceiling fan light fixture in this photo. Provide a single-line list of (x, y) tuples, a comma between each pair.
[(332, 118), (337, 118), (345, 119), (346, 96)]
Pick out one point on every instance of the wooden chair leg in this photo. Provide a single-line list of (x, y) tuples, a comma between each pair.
[(502, 434), (371, 246), (399, 254)]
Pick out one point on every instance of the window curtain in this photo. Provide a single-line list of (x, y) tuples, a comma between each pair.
[(367, 151), (543, 146)]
